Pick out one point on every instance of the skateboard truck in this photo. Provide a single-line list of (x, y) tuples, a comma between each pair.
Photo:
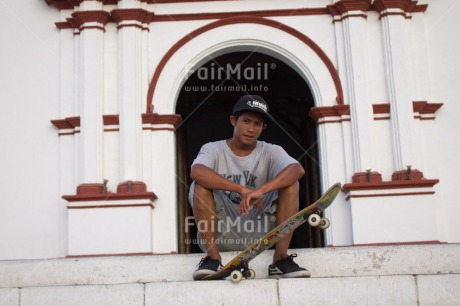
[(316, 220), (242, 271)]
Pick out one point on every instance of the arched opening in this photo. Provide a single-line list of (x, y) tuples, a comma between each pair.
[(205, 102)]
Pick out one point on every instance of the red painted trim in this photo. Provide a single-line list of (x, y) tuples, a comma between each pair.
[(111, 119), (403, 175), (389, 185), (110, 255), (70, 4), (176, 1), (83, 17), (111, 196), (399, 243), (159, 129), (121, 254), (261, 13), (140, 15), (423, 107), (154, 118), (109, 206), (317, 113), (383, 108), (387, 195), (404, 5), (131, 186), (365, 177), (238, 20)]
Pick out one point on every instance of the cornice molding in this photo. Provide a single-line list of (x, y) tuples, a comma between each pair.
[(341, 9), (398, 7), (154, 121), (330, 114), (381, 111), (140, 15), (424, 110), (83, 17), (404, 5), (161, 119), (70, 4), (346, 6)]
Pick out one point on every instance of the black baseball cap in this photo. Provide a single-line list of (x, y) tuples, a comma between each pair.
[(252, 103)]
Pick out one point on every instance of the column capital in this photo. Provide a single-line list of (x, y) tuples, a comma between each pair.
[(349, 8), (70, 4), (133, 17), (134, 14), (398, 7), (83, 17)]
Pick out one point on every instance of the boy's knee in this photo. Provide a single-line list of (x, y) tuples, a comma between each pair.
[(291, 189), (202, 197), (201, 191)]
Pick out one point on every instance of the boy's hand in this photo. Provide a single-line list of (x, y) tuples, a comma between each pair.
[(250, 198)]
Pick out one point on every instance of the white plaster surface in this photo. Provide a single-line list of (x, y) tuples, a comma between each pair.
[(439, 289), (123, 295), (249, 292), (9, 296), (388, 290)]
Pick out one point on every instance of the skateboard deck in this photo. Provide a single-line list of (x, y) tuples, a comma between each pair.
[(240, 262)]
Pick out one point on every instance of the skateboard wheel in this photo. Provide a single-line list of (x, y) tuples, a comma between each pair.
[(314, 220), (236, 276), (251, 274), (325, 223)]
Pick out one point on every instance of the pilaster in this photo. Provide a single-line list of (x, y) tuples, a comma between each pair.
[(351, 40), (91, 28), (393, 21), (131, 24)]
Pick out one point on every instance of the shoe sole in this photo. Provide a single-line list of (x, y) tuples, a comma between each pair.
[(200, 274), (297, 274)]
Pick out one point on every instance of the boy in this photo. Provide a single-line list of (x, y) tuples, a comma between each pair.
[(242, 189)]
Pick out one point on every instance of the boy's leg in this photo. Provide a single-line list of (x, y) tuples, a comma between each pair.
[(288, 205), (204, 210)]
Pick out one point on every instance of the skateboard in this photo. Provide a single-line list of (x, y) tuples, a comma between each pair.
[(237, 268)]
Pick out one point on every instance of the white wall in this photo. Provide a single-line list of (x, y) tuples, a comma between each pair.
[(30, 217), (444, 48)]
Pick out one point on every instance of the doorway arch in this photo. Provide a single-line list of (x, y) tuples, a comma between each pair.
[(205, 101)]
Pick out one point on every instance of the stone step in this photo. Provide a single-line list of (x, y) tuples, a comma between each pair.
[(323, 263), (404, 290)]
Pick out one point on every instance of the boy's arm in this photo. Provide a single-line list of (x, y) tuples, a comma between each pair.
[(210, 179), (288, 176)]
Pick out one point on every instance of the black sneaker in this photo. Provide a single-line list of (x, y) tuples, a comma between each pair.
[(287, 268), (207, 266)]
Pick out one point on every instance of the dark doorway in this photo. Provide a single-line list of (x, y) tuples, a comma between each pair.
[(205, 103)]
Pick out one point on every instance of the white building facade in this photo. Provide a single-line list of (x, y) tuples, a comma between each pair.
[(95, 169)]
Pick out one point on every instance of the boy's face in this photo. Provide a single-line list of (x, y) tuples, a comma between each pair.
[(248, 127)]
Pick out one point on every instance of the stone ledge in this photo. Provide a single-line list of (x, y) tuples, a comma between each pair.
[(323, 262)]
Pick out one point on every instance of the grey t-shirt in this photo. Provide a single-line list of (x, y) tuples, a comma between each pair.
[(253, 170)]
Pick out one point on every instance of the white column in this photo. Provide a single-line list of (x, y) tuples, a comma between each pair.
[(91, 93), (402, 122), (130, 67), (352, 15)]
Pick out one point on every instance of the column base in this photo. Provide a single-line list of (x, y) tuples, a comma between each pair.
[(106, 223), (397, 211)]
